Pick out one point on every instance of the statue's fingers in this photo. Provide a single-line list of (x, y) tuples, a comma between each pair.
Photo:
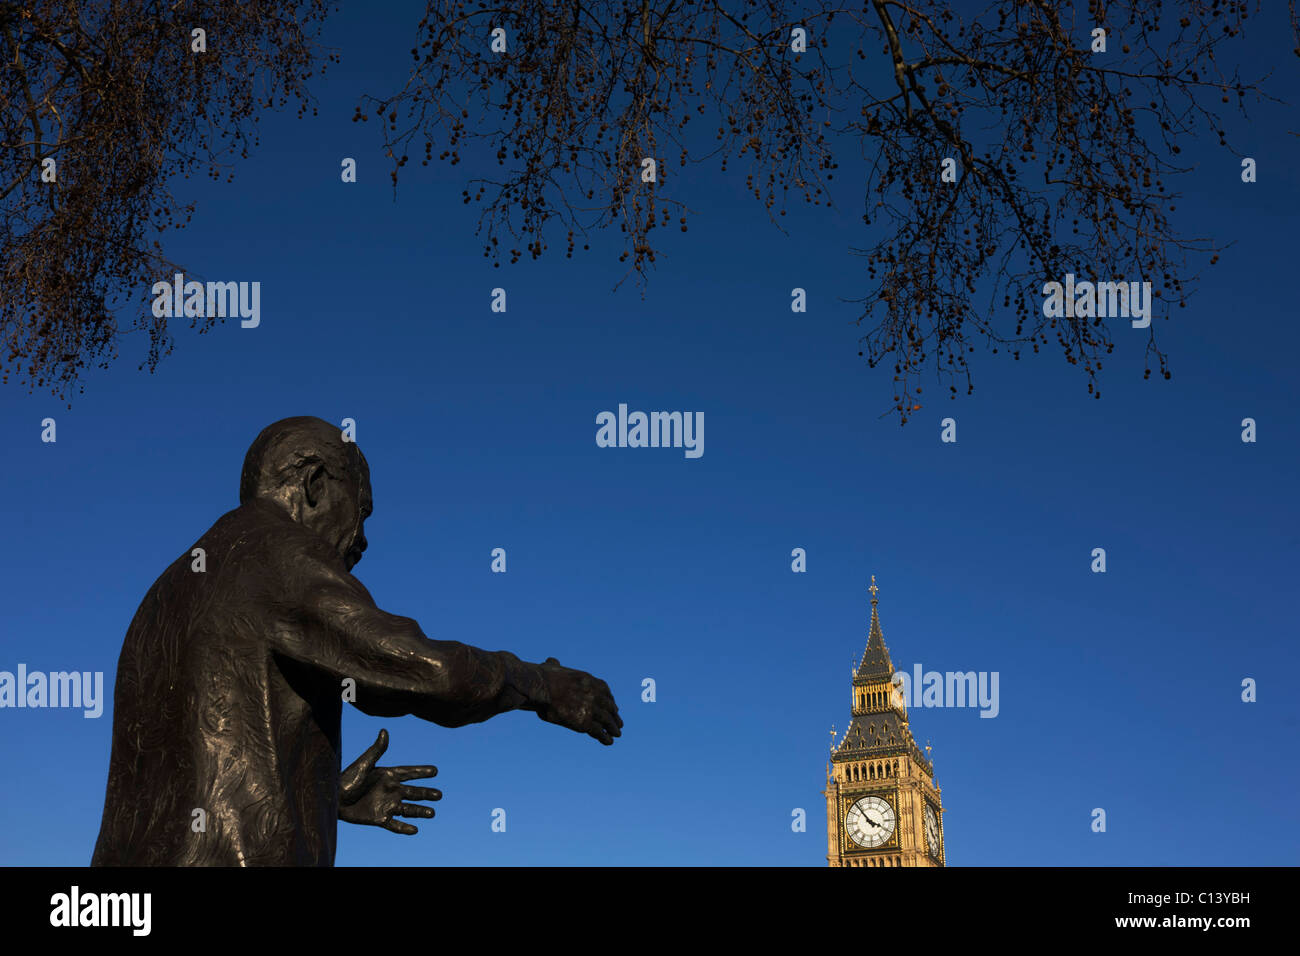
[(356, 772), (611, 722), (597, 730), (374, 751), (413, 810), (397, 826), (419, 793), (414, 773), (610, 710), (604, 700)]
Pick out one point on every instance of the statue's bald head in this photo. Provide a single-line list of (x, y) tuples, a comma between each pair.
[(303, 466)]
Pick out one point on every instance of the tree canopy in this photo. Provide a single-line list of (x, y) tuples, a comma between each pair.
[(1060, 128)]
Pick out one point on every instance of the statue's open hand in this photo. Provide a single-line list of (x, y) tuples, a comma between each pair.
[(374, 795), (580, 702)]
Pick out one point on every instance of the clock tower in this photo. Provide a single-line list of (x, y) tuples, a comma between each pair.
[(882, 807)]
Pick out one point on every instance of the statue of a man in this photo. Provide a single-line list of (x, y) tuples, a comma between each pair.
[(231, 681)]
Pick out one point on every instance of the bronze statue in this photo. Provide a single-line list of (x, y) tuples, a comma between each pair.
[(233, 673)]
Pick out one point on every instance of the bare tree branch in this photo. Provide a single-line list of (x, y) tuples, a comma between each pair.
[(115, 95), (1067, 157)]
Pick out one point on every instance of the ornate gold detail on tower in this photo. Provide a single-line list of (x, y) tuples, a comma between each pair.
[(882, 807)]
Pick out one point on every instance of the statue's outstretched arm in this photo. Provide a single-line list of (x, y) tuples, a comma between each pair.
[(398, 670)]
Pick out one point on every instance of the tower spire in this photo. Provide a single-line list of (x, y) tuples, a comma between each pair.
[(875, 659), (875, 616)]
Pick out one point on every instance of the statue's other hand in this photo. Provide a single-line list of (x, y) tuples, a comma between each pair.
[(579, 701), (375, 795)]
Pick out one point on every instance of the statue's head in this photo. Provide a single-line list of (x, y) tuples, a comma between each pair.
[(303, 466)]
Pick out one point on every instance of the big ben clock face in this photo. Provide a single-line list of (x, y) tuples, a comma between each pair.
[(932, 831), (870, 822)]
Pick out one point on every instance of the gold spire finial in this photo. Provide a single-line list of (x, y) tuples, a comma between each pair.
[(832, 736), (873, 589)]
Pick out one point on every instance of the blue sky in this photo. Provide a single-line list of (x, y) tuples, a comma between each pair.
[(1118, 690)]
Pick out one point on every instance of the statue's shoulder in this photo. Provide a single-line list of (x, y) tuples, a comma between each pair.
[(262, 533), (257, 525)]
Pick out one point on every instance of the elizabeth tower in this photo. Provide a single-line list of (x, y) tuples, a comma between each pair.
[(882, 807)]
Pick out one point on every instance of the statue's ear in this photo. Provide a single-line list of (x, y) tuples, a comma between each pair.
[(313, 485)]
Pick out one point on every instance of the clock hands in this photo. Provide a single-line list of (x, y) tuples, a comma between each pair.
[(866, 830)]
